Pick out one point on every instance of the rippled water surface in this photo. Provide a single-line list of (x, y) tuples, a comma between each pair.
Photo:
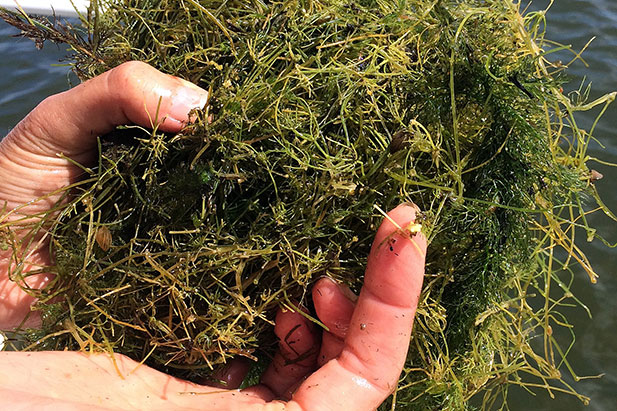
[(28, 75), (575, 22)]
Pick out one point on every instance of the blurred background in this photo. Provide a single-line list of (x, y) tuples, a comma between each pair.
[(28, 75)]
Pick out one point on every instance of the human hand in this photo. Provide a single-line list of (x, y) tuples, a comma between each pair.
[(34, 165), (354, 366)]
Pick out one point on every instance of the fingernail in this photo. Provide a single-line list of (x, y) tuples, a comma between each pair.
[(187, 98), (412, 205), (343, 288), (350, 295)]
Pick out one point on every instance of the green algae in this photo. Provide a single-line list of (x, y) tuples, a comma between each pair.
[(177, 250)]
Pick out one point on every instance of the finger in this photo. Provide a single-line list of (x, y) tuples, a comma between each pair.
[(66, 380), (331, 347), (68, 123), (297, 354), (334, 304), (132, 93), (367, 369), (231, 376), (15, 302)]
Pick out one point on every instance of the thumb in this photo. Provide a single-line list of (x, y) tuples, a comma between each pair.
[(132, 93), (68, 123)]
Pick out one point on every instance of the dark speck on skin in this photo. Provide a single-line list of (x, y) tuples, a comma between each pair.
[(391, 243)]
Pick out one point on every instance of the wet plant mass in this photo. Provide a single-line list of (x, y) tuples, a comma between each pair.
[(178, 249)]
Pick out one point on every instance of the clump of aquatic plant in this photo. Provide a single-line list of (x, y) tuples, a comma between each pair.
[(177, 249)]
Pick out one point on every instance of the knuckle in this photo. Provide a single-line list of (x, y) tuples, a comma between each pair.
[(127, 74)]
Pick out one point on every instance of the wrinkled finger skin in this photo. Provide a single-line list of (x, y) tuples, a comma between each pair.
[(354, 366), (33, 157)]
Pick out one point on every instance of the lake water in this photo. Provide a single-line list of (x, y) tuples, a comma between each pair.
[(28, 75)]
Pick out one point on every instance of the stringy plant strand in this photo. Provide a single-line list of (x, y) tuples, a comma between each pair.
[(177, 250)]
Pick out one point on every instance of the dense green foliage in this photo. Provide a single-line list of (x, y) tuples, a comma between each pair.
[(321, 113)]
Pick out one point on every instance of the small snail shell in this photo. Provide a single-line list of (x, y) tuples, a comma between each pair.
[(400, 140), (103, 238), (595, 176)]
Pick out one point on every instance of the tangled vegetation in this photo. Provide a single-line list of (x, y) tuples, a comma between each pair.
[(177, 249)]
